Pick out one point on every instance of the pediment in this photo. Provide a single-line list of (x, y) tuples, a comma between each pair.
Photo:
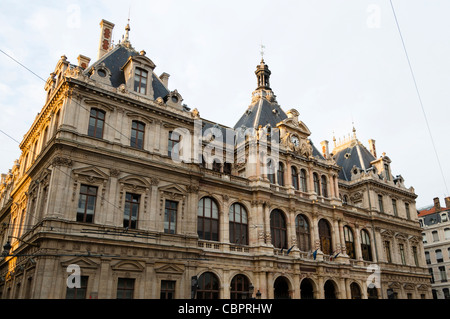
[(395, 285), (135, 181), (409, 286), (140, 60), (170, 269), (82, 262), (128, 266), (90, 171), (173, 189), (296, 126)]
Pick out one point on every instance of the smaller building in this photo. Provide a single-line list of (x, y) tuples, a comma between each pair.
[(435, 222)]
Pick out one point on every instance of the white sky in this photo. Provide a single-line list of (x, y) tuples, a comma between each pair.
[(336, 62)]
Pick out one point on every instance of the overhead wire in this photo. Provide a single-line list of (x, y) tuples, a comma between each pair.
[(419, 97)]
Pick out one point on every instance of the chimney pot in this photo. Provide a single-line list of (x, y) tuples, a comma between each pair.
[(165, 79)]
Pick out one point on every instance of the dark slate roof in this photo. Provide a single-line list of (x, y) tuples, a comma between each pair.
[(115, 60), (315, 151), (261, 113), (356, 155)]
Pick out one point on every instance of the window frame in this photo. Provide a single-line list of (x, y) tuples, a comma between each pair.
[(88, 195), (97, 119), (303, 232), (241, 225), (168, 217), (131, 203), (138, 83), (278, 229), (203, 219), (138, 142)]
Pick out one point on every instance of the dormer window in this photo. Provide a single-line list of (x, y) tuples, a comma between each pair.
[(140, 81), (386, 171)]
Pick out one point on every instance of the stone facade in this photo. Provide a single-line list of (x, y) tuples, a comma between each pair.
[(435, 222), (98, 187)]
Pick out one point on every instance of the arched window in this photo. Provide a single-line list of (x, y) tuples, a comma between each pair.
[(365, 245), (208, 286), (238, 224), (208, 219), (280, 174), (270, 171), (325, 237), (316, 183), (303, 182), (349, 242), (278, 229), (303, 233), (323, 181), (355, 291), (240, 287), (137, 134), (96, 123), (294, 177)]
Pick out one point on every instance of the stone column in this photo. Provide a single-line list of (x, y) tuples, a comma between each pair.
[(358, 243)]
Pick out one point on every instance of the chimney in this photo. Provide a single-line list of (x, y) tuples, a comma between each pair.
[(372, 149), (437, 204), (165, 79), (105, 37), (83, 61), (325, 149), (447, 202)]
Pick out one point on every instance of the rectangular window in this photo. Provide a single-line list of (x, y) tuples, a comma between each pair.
[(387, 249), (131, 212), (174, 139), (170, 217), (386, 170), (125, 288), (78, 293), (416, 257), (408, 214), (96, 123), (380, 203), (394, 207), (137, 134), (167, 289), (443, 274), (140, 81), (435, 235), (402, 253), (86, 204), (439, 257)]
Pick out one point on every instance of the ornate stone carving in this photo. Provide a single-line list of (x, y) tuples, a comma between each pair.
[(62, 161)]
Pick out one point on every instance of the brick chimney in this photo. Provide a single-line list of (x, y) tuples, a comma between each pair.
[(105, 37), (447, 202), (83, 61), (325, 149), (372, 148), (437, 204)]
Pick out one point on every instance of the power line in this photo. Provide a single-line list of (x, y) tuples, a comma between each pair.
[(418, 95)]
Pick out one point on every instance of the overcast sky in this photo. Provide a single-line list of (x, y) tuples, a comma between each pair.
[(337, 62)]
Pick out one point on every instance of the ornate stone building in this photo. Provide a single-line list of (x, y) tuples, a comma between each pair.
[(122, 191)]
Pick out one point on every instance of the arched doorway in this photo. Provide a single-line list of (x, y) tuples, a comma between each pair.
[(306, 289), (281, 288), (240, 287), (208, 286), (330, 290), (355, 291)]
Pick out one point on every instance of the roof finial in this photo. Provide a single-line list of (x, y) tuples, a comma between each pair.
[(354, 130), (262, 52), (127, 28)]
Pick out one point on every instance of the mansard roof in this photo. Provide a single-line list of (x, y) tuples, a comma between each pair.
[(115, 59), (355, 154), (261, 112)]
